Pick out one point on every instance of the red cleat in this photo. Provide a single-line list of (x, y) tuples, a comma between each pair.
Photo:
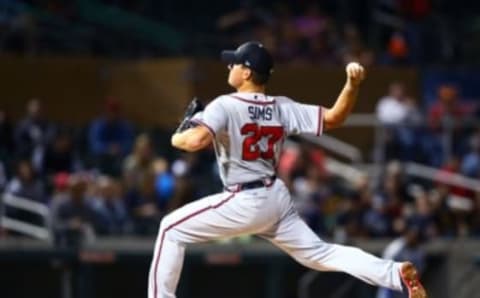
[(409, 276)]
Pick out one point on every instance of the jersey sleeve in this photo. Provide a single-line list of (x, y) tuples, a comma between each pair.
[(298, 118), (197, 117), (214, 117)]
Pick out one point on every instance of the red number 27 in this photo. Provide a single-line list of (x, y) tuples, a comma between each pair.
[(251, 150)]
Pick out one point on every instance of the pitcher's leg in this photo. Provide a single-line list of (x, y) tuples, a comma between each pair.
[(294, 237), (217, 216), (166, 265), (169, 251)]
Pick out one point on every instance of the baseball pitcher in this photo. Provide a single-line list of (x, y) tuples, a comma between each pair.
[(248, 128)]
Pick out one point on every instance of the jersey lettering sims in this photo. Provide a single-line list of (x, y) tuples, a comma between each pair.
[(250, 129)]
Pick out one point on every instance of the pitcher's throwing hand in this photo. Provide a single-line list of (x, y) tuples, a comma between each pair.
[(355, 73)]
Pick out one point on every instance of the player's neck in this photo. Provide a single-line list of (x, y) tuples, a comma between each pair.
[(251, 88)]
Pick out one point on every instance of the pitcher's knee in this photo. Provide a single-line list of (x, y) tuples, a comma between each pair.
[(319, 257), (166, 222), (169, 228), (351, 250), (313, 259), (312, 263)]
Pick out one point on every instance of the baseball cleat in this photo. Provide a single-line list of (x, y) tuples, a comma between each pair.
[(409, 276)]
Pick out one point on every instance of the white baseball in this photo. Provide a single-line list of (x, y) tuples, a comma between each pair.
[(354, 66), (355, 71)]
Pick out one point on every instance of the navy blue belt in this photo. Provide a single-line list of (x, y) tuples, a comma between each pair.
[(264, 182)]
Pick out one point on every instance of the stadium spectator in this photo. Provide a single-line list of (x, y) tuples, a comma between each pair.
[(60, 186), (352, 211), (398, 50), (471, 161), (139, 163), (376, 220), (321, 51), (197, 173), (399, 116), (186, 189), (248, 20), (302, 167), (110, 138), (353, 48), (165, 183), (59, 155), (296, 159), (453, 205), (289, 47), (461, 202), (386, 217), (423, 216), (445, 117), (26, 184), (448, 107), (110, 205), (145, 207), (394, 107), (407, 247), (33, 133), (311, 192), (312, 22), (74, 219), (316, 35), (288, 162)]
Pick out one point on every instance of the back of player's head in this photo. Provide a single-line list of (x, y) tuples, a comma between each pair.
[(254, 56)]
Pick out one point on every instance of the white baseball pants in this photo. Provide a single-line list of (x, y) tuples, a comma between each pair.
[(268, 212)]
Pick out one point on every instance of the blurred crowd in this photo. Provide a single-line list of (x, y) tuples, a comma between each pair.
[(445, 135), (106, 179), (112, 178), (327, 32), (447, 132), (338, 32)]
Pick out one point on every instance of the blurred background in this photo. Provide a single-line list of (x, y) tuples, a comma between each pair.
[(91, 91)]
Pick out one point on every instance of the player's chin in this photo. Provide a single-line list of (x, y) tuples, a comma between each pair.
[(232, 83)]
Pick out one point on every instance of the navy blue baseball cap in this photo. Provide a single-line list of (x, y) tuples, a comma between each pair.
[(252, 55)]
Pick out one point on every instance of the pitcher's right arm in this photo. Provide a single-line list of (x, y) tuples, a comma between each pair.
[(336, 115)]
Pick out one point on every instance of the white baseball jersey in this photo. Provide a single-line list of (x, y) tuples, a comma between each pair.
[(250, 128)]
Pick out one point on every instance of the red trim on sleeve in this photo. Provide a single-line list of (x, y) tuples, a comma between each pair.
[(320, 121), (204, 124)]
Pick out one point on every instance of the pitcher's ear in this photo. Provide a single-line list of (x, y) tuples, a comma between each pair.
[(247, 73)]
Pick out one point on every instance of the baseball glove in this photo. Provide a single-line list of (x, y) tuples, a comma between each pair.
[(193, 107)]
